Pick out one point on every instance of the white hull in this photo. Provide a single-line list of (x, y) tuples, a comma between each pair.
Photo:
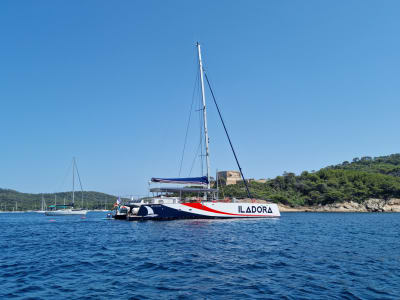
[(209, 209), (65, 212)]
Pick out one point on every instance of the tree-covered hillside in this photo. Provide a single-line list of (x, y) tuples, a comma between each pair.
[(10, 199), (388, 165), (356, 181)]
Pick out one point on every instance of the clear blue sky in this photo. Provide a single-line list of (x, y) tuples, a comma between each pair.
[(302, 85)]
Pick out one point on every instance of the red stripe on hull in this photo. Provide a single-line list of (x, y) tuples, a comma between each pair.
[(206, 208)]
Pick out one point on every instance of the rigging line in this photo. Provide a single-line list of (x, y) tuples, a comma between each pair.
[(223, 189), (80, 183), (227, 135), (65, 177), (194, 160), (188, 123)]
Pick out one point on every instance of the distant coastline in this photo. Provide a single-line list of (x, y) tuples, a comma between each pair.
[(367, 184), (28, 211), (11, 200), (349, 186), (371, 205)]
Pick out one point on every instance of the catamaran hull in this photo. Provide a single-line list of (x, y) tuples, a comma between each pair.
[(119, 217), (208, 210), (66, 212)]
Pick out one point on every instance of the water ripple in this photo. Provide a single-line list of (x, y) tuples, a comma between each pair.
[(300, 256)]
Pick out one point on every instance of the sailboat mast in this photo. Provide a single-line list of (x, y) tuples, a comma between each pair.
[(73, 181), (203, 97)]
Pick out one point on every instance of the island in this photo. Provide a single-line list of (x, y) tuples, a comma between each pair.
[(366, 184)]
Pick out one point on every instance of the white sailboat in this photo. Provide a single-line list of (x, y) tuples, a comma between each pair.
[(66, 210), (42, 208), (167, 205)]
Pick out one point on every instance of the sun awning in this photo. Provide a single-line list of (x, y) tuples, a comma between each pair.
[(182, 190), (187, 180)]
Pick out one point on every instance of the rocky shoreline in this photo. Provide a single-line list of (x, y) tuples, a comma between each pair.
[(370, 205)]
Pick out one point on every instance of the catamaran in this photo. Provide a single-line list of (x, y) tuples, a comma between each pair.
[(68, 209), (197, 200)]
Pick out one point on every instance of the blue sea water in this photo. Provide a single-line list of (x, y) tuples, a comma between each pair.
[(299, 256)]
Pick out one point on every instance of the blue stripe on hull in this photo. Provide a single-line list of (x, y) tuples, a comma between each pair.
[(166, 213)]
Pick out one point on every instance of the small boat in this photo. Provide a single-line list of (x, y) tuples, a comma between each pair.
[(68, 209), (197, 200), (65, 212), (121, 213)]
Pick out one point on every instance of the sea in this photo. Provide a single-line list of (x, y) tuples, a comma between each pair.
[(299, 256)]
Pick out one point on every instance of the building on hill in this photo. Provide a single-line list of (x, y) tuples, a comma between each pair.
[(228, 177), (234, 177)]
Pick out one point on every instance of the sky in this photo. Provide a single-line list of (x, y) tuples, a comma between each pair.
[(301, 85)]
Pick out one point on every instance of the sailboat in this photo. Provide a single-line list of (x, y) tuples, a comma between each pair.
[(200, 201), (43, 207), (68, 209)]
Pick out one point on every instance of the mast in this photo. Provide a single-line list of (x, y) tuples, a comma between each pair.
[(203, 97), (80, 182), (73, 181)]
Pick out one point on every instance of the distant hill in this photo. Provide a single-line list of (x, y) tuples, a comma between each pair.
[(359, 180), (26, 201)]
